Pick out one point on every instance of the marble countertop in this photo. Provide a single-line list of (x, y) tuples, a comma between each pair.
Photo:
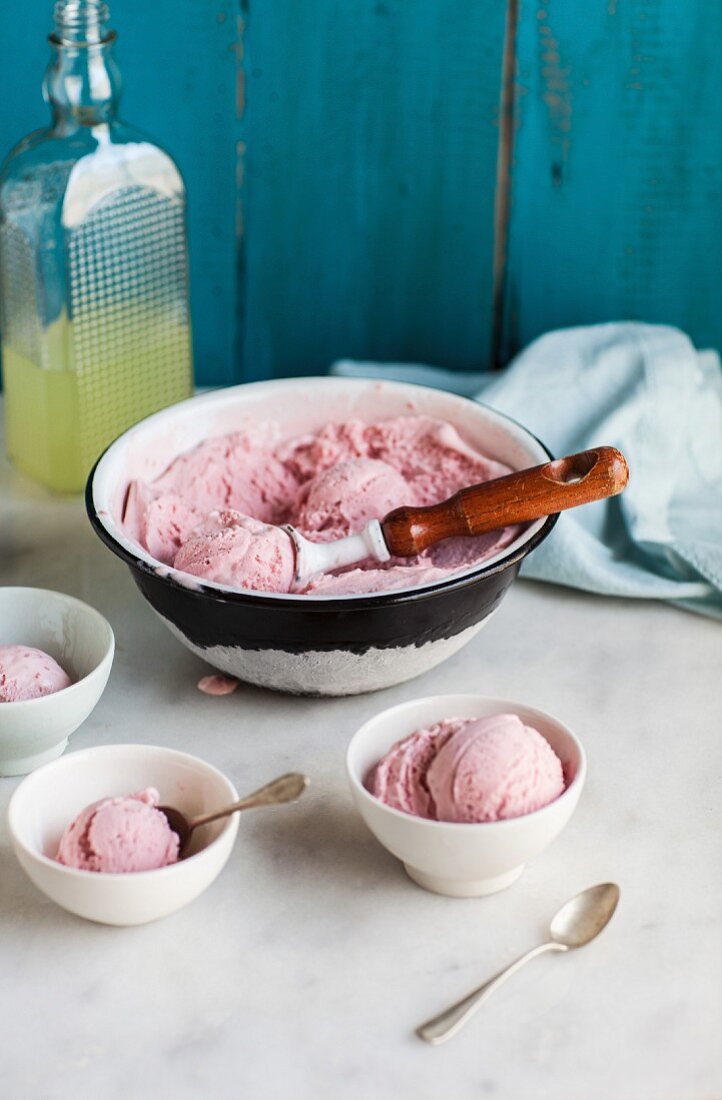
[(304, 969)]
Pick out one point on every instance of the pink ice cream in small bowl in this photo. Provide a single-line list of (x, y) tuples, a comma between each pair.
[(29, 673), (120, 835), (87, 832), (56, 653), (465, 789)]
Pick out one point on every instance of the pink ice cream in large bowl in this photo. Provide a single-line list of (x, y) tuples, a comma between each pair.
[(465, 789), (194, 499)]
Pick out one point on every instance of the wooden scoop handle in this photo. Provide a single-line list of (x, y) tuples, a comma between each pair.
[(517, 498)]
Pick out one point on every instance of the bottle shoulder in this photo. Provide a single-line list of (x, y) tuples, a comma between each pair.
[(34, 176), (78, 169), (48, 144), (130, 163), (28, 151), (125, 133)]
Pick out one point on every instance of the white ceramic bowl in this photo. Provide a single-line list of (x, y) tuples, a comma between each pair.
[(461, 860), (53, 796), (34, 731)]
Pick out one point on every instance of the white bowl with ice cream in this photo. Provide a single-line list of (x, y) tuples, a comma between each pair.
[(455, 857), (40, 628), (50, 799)]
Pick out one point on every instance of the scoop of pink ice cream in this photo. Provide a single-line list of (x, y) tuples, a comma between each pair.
[(159, 521), (469, 770), (342, 499), (399, 778), (28, 673), (492, 769), (430, 454), (120, 835), (234, 549), (238, 471)]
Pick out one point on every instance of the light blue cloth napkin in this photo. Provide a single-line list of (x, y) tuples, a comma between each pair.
[(647, 391)]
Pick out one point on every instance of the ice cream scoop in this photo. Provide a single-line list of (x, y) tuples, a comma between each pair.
[(287, 788), (236, 549), (516, 498)]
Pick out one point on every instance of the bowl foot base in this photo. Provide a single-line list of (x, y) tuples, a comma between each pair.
[(21, 765), (463, 888)]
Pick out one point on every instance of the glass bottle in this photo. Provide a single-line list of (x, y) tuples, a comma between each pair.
[(93, 266)]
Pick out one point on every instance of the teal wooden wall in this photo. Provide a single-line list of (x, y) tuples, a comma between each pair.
[(617, 183), (370, 134), (342, 159)]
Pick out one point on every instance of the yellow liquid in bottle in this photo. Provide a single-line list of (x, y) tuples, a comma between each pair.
[(60, 418), (42, 424)]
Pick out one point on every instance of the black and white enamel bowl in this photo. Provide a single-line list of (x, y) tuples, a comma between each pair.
[(321, 645)]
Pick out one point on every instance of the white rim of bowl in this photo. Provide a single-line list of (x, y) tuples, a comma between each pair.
[(509, 705), (102, 515), (231, 821), (108, 653)]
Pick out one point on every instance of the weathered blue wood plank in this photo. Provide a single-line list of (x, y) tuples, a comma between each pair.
[(370, 137), (617, 184), (179, 62)]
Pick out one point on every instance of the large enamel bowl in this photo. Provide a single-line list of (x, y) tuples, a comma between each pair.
[(324, 645)]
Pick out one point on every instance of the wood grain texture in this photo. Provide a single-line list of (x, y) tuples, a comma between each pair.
[(180, 64), (617, 182), (520, 497), (371, 141), (179, 61)]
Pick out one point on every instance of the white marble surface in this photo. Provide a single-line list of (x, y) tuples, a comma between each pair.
[(303, 970)]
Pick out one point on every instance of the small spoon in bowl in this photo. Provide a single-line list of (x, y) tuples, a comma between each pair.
[(287, 788), (578, 922)]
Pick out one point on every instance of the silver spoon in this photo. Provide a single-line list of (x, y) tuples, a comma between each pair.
[(579, 921), (287, 788)]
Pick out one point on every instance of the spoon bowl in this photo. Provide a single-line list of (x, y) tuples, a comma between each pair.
[(582, 918)]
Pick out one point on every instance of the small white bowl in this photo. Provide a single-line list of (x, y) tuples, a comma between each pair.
[(34, 731), (49, 799), (461, 860)]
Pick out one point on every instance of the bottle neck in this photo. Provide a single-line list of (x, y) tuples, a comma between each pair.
[(82, 81)]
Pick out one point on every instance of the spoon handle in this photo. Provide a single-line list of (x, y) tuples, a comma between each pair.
[(517, 498), (287, 788), (447, 1023)]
